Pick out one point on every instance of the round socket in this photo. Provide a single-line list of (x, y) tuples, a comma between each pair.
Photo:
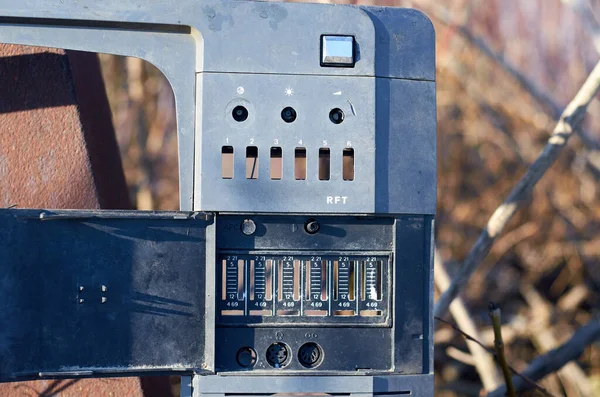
[(278, 355), (336, 115), (310, 355), (288, 114), (239, 113), (246, 357)]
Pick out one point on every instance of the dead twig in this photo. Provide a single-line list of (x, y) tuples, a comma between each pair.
[(438, 13), (499, 347), (541, 333), (557, 358), (570, 121), (591, 25), (484, 364), (525, 378)]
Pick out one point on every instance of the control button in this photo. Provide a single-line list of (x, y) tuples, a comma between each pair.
[(337, 51)]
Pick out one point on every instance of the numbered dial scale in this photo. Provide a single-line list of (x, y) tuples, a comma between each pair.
[(343, 288)]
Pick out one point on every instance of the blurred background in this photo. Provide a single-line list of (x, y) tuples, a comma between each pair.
[(505, 70)]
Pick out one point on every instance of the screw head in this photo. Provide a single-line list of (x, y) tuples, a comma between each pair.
[(248, 227), (312, 226)]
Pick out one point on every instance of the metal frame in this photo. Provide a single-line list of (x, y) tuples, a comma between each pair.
[(217, 54), (193, 43)]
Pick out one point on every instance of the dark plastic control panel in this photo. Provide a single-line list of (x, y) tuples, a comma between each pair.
[(267, 288)]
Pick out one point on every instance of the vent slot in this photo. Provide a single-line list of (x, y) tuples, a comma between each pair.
[(276, 165), (324, 164), (300, 163), (252, 162), (227, 162), (348, 164)]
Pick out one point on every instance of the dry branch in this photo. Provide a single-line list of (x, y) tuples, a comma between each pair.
[(569, 121), (557, 358), (541, 334), (525, 379), (585, 11), (483, 362), (441, 15), (499, 346)]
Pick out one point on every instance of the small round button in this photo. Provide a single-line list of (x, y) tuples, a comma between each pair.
[(248, 227)]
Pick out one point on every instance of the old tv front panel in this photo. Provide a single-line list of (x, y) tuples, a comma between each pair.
[(301, 259)]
